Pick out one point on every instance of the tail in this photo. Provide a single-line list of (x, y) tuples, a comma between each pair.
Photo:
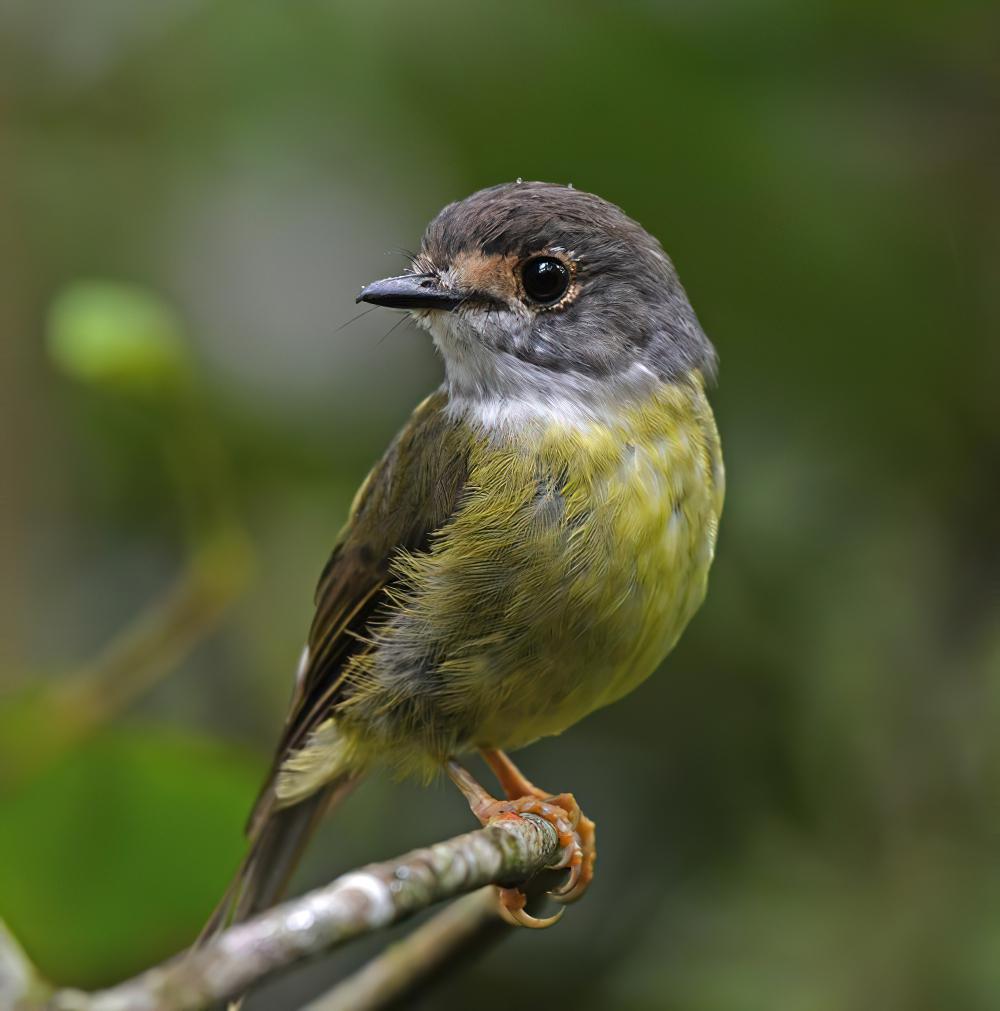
[(278, 838)]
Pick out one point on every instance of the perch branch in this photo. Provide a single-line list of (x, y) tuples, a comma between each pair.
[(408, 967), (509, 850)]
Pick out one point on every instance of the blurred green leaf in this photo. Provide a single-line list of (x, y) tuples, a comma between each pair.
[(119, 335), (114, 857)]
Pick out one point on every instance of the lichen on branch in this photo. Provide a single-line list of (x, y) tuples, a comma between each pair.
[(508, 851)]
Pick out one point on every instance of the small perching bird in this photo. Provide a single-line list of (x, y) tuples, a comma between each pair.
[(534, 540)]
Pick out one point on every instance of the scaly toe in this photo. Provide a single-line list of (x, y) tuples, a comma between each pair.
[(580, 863)]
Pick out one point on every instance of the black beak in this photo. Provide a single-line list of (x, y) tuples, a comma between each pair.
[(409, 291)]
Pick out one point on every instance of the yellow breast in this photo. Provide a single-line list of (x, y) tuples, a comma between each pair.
[(614, 582), (575, 561)]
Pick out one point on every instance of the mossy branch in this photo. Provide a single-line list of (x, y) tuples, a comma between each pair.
[(507, 851)]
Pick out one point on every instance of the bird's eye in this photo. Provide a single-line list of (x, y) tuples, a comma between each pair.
[(545, 279)]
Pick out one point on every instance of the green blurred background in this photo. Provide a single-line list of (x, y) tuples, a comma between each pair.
[(800, 812)]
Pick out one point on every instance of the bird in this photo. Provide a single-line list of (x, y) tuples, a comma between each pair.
[(532, 543)]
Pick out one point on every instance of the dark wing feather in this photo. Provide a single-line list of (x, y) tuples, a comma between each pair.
[(410, 493)]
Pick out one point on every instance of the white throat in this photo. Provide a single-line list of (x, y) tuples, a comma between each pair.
[(496, 391)]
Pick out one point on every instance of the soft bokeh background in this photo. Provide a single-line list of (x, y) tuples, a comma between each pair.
[(800, 812)]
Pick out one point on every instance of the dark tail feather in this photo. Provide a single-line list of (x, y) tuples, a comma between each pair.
[(277, 840)]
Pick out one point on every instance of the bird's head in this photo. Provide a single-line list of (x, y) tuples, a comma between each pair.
[(545, 299)]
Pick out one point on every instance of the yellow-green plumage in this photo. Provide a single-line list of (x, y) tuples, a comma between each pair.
[(569, 564), (537, 536)]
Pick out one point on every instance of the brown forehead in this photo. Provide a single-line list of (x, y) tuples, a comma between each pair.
[(493, 273)]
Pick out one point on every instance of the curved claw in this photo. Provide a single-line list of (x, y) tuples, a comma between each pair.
[(572, 890), (569, 890), (511, 907), (580, 864), (571, 855)]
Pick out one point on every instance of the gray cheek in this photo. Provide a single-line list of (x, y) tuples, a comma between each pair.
[(500, 329), (583, 342), (543, 344)]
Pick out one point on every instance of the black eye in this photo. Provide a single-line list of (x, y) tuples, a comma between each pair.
[(545, 279)]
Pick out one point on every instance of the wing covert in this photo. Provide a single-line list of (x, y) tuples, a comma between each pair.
[(408, 495)]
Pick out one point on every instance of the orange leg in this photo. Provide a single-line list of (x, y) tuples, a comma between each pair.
[(576, 831)]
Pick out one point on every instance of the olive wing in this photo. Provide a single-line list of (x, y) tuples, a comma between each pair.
[(409, 494)]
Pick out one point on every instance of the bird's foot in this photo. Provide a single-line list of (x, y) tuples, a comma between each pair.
[(576, 832), (583, 846)]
